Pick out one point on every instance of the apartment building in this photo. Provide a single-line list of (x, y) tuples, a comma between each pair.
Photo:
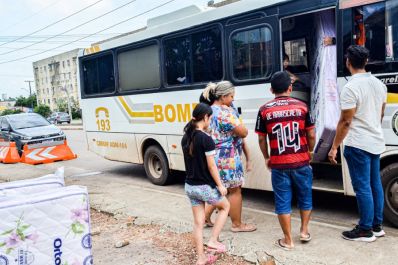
[(55, 78)]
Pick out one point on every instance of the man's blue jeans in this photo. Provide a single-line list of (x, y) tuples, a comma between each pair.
[(364, 169)]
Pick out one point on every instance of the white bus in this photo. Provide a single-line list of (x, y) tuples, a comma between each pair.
[(138, 90)]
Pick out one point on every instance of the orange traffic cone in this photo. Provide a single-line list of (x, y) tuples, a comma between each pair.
[(47, 154), (9, 154)]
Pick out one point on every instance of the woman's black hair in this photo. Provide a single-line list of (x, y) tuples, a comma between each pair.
[(286, 57), (199, 113)]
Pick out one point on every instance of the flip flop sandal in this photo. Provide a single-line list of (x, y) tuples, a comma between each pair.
[(211, 259), (279, 244), (219, 249), (246, 228), (306, 238)]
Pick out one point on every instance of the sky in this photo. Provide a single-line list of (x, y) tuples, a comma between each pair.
[(33, 23)]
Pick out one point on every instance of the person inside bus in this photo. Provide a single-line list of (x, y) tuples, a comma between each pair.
[(286, 63), (291, 134), (225, 126), (300, 90), (359, 27), (203, 183), (362, 102)]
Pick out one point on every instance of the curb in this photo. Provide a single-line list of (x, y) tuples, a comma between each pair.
[(70, 128)]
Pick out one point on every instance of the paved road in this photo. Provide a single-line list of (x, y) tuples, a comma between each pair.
[(121, 187)]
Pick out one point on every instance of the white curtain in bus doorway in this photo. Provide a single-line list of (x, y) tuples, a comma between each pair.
[(324, 96)]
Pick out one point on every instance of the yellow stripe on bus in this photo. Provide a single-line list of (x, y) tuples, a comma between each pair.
[(392, 98), (135, 114)]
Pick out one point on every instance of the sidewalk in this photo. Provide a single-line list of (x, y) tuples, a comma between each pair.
[(74, 125), (152, 206)]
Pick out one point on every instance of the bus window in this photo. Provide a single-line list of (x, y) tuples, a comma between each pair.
[(98, 75), (207, 56), (251, 53), (178, 60), (375, 28), (392, 31), (194, 58), (296, 51), (139, 68)]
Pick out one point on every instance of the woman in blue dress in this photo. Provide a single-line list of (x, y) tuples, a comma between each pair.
[(225, 128)]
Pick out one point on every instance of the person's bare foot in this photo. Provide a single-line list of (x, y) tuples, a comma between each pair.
[(283, 245), (202, 259), (243, 228)]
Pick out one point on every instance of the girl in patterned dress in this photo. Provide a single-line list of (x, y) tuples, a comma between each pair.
[(225, 127)]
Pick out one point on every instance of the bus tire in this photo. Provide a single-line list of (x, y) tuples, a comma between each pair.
[(389, 179), (157, 166)]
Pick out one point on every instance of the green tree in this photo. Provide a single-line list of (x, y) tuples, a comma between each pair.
[(10, 111), (62, 106), (20, 102), (26, 102), (31, 101), (43, 110)]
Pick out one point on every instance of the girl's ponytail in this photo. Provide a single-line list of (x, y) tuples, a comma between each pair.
[(199, 113), (189, 130)]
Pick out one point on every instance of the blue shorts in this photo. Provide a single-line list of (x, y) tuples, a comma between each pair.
[(199, 194), (283, 183)]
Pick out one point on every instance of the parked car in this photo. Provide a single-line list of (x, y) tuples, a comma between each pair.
[(29, 128), (59, 118)]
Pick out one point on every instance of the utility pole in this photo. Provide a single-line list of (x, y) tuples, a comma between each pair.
[(30, 91)]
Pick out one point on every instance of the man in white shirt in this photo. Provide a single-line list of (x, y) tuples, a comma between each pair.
[(362, 102)]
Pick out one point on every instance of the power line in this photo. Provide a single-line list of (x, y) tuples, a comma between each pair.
[(30, 16), (54, 23), (33, 49), (114, 25), (71, 29), (10, 75), (61, 36), (49, 42)]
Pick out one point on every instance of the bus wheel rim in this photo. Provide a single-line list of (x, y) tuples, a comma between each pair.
[(155, 166), (392, 195)]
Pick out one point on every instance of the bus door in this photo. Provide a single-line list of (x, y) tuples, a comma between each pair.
[(309, 55)]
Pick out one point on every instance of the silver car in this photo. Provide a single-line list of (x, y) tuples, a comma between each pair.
[(59, 118), (29, 128)]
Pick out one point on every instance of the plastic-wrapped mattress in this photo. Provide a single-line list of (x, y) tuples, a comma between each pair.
[(29, 186), (50, 227), (325, 108)]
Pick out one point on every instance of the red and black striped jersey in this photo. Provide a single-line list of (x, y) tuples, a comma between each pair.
[(286, 120)]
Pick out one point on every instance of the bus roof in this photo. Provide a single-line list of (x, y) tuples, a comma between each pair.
[(180, 19)]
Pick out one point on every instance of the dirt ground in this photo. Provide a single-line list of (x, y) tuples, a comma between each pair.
[(148, 245)]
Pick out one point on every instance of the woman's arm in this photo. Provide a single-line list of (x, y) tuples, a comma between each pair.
[(211, 165), (246, 152), (240, 131)]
